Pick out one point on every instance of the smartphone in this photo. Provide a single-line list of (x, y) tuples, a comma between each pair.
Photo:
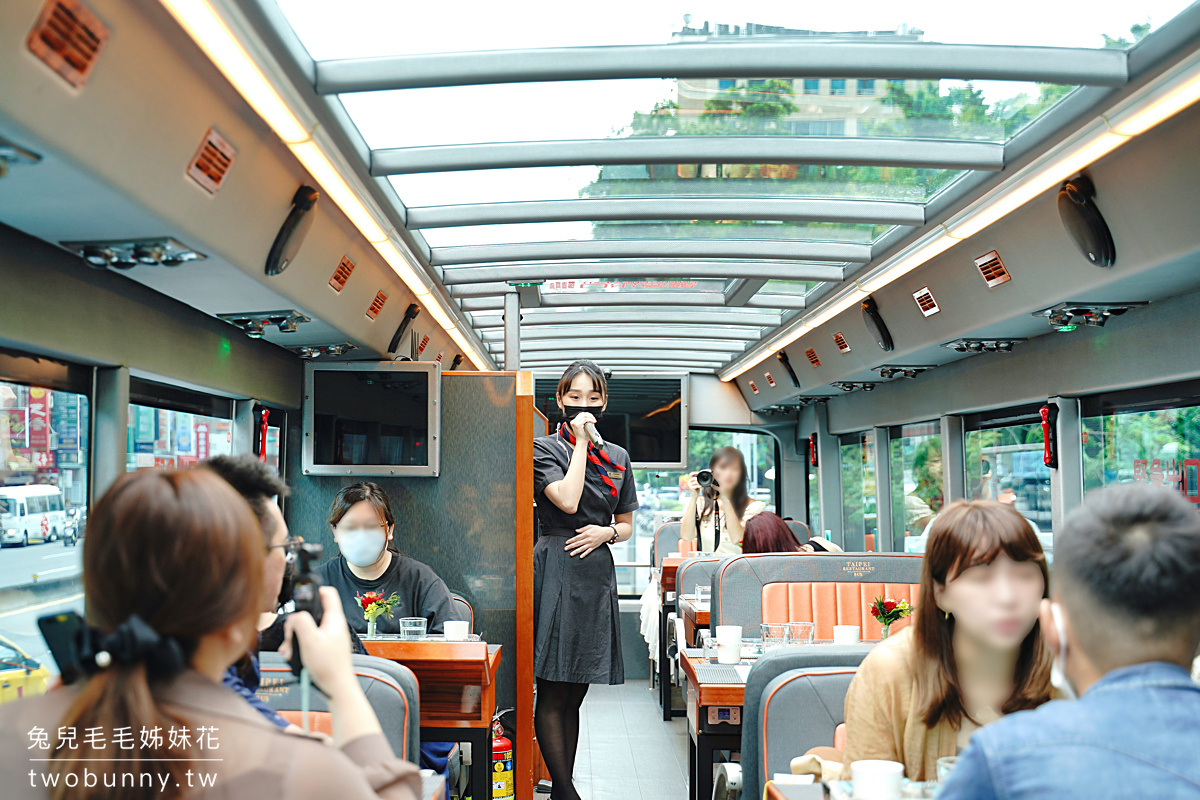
[(63, 634)]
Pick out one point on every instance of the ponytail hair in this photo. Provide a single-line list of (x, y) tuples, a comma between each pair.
[(182, 551)]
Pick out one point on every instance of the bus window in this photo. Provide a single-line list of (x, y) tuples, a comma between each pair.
[(916, 467), (1160, 446), (859, 518), (663, 494), (164, 439), (43, 472), (1006, 464)]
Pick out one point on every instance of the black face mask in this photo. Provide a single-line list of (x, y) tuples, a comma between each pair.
[(571, 412)]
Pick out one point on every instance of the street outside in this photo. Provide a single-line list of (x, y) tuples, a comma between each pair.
[(50, 562)]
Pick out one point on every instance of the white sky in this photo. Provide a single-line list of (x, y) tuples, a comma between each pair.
[(594, 109)]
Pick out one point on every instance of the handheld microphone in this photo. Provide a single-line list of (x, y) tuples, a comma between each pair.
[(593, 434)]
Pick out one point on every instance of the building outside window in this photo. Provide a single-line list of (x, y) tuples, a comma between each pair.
[(859, 517), (866, 88), (812, 86), (837, 86), (916, 472)]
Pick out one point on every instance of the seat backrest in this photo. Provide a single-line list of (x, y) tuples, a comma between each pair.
[(824, 588), (696, 572), (799, 529), (776, 663), (665, 539), (799, 710), (390, 688), (464, 609)]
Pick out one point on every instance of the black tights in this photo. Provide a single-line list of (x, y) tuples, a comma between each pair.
[(556, 720)]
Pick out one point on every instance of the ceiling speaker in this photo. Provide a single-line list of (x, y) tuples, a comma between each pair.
[(1084, 223), (875, 325)]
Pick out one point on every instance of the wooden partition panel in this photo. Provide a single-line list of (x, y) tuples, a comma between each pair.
[(473, 524)]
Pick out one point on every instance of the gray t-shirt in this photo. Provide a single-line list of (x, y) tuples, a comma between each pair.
[(422, 593)]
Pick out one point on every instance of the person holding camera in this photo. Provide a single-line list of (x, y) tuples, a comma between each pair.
[(719, 504), (173, 580), (586, 497)]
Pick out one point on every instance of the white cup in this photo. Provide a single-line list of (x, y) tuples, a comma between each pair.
[(729, 653), (845, 634), (876, 780), (729, 634), (455, 630)]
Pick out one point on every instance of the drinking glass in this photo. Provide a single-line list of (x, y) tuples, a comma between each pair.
[(710, 647), (703, 593), (945, 765), (800, 633), (413, 627), (774, 634)]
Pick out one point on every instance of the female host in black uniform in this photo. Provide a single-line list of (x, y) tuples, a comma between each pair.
[(586, 497)]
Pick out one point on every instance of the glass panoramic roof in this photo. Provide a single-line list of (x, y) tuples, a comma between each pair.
[(748, 190), (368, 28)]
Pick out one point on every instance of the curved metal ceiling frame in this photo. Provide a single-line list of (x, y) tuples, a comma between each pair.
[(775, 209), (757, 249), (780, 302), (833, 151), (571, 270), (619, 338), (732, 59), (535, 333), (643, 315)]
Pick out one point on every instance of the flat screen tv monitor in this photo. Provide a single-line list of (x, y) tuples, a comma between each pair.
[(372, 418), (647, 415)]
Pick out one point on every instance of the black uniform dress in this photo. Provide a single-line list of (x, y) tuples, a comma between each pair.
[(575, 612)]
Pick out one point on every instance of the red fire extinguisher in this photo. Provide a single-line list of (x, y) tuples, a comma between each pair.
[(502, 762)]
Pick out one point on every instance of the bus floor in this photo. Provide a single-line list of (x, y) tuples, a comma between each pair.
[(626, 751)]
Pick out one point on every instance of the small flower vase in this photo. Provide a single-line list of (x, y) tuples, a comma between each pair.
[(371, 627), (887, 628)]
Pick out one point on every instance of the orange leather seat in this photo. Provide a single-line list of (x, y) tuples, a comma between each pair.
[(834, 603)]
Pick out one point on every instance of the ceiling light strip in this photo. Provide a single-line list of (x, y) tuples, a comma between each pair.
[(1170, 93), (313, 149)]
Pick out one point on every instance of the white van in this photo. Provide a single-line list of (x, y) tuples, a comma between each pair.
[(31, 514)]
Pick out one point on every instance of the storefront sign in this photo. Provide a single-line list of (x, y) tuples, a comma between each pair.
[(201, 430), (39, 419), (1180, 475), (64, 418)]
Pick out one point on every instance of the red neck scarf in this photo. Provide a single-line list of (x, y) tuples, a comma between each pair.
[(594, 456)]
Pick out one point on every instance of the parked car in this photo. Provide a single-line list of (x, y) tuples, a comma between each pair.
[(20, 675), (31, 513)]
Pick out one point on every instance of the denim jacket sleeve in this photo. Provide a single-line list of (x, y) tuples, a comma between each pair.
[(971, 778)]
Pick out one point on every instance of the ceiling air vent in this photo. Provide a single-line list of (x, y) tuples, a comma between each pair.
[(925, 301), (341, 274), (376, 305), (770, 380), (212, 161), (68, 38), (753, 387), (992, 269), (812, 357), (839, 339)]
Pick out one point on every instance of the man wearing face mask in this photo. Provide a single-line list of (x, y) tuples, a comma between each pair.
[(363, 524), (1123, 625)]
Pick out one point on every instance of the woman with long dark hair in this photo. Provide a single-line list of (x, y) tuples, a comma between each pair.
[(585, 501), (718, 512), (173, 578), (973, 653)]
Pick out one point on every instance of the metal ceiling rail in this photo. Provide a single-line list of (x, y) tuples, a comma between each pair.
[(762, 249), (786, 56), (619, 339), (840, 150), (555, 367), (585, 299), (679, 356), (660, 314), (679, 270), (532, 333), (783, 209)]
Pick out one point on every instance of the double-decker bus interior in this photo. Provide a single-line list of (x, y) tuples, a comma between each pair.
[(894, 255)]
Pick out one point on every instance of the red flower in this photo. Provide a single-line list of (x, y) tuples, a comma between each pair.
[(889, 606), (368, 598)]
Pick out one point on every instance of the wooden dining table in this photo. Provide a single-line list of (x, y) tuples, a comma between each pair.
[(457, 685), (695, 616)]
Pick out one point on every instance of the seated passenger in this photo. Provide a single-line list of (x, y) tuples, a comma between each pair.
[(720, 515), (362, 522), (1123, 627), (173, 578), (767, 533), (816, 544), (973, 654)]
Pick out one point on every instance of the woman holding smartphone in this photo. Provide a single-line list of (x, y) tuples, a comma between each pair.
[(585, 500)]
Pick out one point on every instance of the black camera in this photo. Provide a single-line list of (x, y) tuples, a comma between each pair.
[(705, 478), (306, 592)]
